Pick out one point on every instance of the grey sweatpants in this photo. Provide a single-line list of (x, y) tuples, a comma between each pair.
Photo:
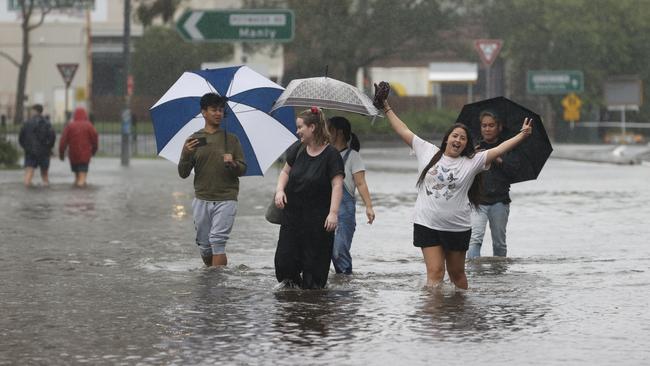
[(213, 221)]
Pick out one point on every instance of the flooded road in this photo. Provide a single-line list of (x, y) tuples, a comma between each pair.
[(111, 275)]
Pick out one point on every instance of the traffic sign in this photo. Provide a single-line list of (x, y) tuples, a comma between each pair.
[(571, 104), (67, 72), (555, 82), (237, 25), (488, 49)]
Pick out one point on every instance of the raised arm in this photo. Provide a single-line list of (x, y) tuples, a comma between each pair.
[(397, 125), (511, 143)]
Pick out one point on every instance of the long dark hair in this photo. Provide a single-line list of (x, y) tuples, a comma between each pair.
[(342, 124), (474, 193)]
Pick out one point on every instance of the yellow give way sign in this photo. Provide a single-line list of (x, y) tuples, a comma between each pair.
[(571, 104)]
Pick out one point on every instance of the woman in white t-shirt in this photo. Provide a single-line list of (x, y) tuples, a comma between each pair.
[(347, 143), (447, 188)]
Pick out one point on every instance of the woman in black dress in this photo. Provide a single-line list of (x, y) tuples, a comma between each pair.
[(309, 191)]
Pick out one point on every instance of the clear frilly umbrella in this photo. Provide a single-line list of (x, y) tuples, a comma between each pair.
[(327, 93)]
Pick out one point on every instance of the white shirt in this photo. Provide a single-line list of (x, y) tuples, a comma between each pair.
[(354, 164), (442, 202)]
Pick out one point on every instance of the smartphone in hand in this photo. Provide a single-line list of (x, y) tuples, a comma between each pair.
[(202, 141)]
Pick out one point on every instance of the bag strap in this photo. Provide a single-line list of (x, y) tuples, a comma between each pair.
[(347, 153)]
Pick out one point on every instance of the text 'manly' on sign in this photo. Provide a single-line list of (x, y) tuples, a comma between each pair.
[(240, 25)]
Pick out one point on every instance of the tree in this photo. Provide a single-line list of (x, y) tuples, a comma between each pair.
[(27, 8), (602, 39), (161, 56), (344, 35), (148, 10)]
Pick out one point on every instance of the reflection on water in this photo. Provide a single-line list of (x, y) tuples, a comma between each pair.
[(307, 318), (111, 275), (488, 266), (36, 211), (178, 207)]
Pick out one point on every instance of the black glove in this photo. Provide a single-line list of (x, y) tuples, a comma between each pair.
[(381, 94)]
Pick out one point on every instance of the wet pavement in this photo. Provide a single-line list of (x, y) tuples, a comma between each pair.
[(110, 275)]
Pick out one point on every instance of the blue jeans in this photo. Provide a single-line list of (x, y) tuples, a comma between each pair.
[(341, 257), (497, 215)]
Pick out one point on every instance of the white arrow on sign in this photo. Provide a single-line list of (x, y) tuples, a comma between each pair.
[(488, 49), (190, 26)]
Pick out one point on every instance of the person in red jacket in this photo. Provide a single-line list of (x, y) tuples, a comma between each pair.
[(80, 139)]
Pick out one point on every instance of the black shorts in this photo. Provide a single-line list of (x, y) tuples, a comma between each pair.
[(36, 161), (79, 168), (424, 237)]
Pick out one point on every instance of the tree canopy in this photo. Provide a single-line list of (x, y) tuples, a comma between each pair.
[(161, 56), (603, 39), (343, 35)]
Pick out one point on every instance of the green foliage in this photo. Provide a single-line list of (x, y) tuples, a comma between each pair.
[(344, 35), (426, 123), (602, 38), (161, 56), (148, 10), (8, 153)]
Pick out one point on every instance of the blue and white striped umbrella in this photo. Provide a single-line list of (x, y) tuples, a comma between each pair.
[(263, 136)]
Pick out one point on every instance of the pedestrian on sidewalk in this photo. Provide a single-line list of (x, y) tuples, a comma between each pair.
[(37, 138), (494, 203), (218, 161), (346, 142), (80, 140)]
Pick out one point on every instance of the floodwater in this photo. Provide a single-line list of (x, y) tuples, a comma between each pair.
[(109, 275)]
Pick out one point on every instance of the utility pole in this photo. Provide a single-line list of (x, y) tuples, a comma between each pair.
[(89, 61), (126, 114)]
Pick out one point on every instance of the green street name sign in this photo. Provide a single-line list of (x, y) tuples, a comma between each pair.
[(555, 82), (236, 25)]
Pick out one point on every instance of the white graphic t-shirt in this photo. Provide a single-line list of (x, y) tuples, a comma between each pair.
[(442, 202)]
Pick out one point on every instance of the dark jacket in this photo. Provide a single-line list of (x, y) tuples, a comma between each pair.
[(37, 137), (496, 180)]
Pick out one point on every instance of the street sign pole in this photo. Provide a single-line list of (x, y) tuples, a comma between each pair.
[(488, 84), (126, 113), (66, 110), (488, 50), (67, 72), (623, 122)]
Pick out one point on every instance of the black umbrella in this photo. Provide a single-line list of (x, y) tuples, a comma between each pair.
[(532, 153)]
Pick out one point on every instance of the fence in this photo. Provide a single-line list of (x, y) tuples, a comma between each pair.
[(143, 143), (603, 132)]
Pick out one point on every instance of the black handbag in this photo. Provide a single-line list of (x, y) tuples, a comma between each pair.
[(273, 214)]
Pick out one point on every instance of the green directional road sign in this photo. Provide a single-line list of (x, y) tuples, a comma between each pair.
[(237, 25), (555, 82)]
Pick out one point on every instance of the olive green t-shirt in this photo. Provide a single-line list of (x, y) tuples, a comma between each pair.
[(213, 181)]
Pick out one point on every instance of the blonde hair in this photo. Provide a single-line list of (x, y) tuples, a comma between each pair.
[(315, 116)]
